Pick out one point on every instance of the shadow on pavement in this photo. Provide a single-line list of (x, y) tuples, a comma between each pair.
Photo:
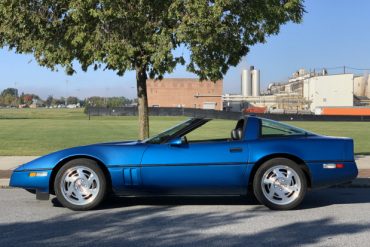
[(327, 197), (313, 199), (158, 221), (159, 226), (118, 202), (363, 153)]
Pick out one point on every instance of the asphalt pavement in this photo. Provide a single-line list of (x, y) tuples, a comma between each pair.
[(329, 217)]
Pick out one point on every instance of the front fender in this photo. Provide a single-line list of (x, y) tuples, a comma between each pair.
[(113, 156)]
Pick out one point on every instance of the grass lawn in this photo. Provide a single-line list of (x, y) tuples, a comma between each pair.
[(40, 131)]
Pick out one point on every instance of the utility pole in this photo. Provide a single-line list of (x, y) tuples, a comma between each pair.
[(106, 96), (66, 93), (16, 93)]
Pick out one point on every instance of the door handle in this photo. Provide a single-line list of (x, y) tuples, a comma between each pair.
[(236, 150)]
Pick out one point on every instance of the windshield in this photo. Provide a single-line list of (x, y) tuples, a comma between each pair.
[(168, 133)]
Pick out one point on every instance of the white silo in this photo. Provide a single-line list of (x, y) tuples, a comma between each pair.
[(367, 88), (255, 82), (246, 83)]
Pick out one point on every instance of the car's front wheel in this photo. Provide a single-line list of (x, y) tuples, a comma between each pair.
[(80, 184), (280, 184)]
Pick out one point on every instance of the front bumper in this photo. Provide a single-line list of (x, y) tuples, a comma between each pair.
[(22, 179)]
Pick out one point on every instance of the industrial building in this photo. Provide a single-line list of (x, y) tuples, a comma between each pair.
[(185, 93), (305, 92), (328, 91), (250, 82), (361, 87)]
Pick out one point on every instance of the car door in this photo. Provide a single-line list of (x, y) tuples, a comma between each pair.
[(206, 167)]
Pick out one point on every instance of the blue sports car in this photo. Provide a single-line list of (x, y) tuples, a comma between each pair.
[(274, 161)]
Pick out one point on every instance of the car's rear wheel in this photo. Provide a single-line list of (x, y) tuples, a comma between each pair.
[(280, 184), (80, 184)]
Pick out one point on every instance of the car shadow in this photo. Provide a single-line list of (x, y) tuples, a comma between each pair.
[(313, 199), (118, 202), (333, 196), (166, 226), (362, 153)]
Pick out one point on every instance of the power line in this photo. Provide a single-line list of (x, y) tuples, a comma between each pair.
[(356, 68), (340, 67)]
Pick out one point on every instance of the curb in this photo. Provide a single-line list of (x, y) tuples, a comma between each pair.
[(357, 183)]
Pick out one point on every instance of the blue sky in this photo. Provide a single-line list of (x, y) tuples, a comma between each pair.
[(333, 33)]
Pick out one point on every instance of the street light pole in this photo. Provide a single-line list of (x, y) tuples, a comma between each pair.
[(66, 93), (16, 93)]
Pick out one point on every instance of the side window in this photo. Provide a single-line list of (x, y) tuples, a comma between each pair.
[(274, 129), (213, 130)]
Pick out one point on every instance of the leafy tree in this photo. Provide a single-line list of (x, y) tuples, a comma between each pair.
[(61, 101), (49, 100), (9, 100), (72, 100), (118, 101), (115, 101), (82, 102), (35, 96), (140, 35), (107, 101), (10, 91), (95, 101), (21, 98), (55, 102)]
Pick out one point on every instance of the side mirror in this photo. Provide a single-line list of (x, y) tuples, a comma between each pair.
[(176, 141)]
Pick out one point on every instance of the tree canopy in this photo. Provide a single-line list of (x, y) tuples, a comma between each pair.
[(10, 91), (141, 35)]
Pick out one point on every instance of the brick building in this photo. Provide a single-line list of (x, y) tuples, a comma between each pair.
[(185, 92)]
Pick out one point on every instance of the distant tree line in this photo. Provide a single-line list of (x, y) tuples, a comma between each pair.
[(109, 101), (9, 97)]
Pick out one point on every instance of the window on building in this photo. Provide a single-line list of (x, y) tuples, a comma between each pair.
[(209, 105)]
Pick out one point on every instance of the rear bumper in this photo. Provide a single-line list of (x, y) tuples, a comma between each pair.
[(324, 177), (22, 179)]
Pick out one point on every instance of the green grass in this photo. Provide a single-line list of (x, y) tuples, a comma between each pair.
[(42, 113), (40, 131)]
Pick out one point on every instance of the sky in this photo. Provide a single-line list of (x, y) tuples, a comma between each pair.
[(332, 34)]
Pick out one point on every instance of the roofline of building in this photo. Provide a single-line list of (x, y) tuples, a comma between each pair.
[(177, 78)]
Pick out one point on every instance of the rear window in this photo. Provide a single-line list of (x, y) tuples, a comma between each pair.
[(271, 128)]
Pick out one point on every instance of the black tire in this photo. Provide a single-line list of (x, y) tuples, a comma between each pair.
[(276, 202), (100, 186)]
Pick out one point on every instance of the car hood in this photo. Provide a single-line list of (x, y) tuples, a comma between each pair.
[(109, 153)]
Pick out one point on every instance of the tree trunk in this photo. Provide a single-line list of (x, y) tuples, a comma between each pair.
[(142, 102)]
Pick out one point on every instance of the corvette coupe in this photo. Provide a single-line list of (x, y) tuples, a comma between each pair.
[(276, 162)]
